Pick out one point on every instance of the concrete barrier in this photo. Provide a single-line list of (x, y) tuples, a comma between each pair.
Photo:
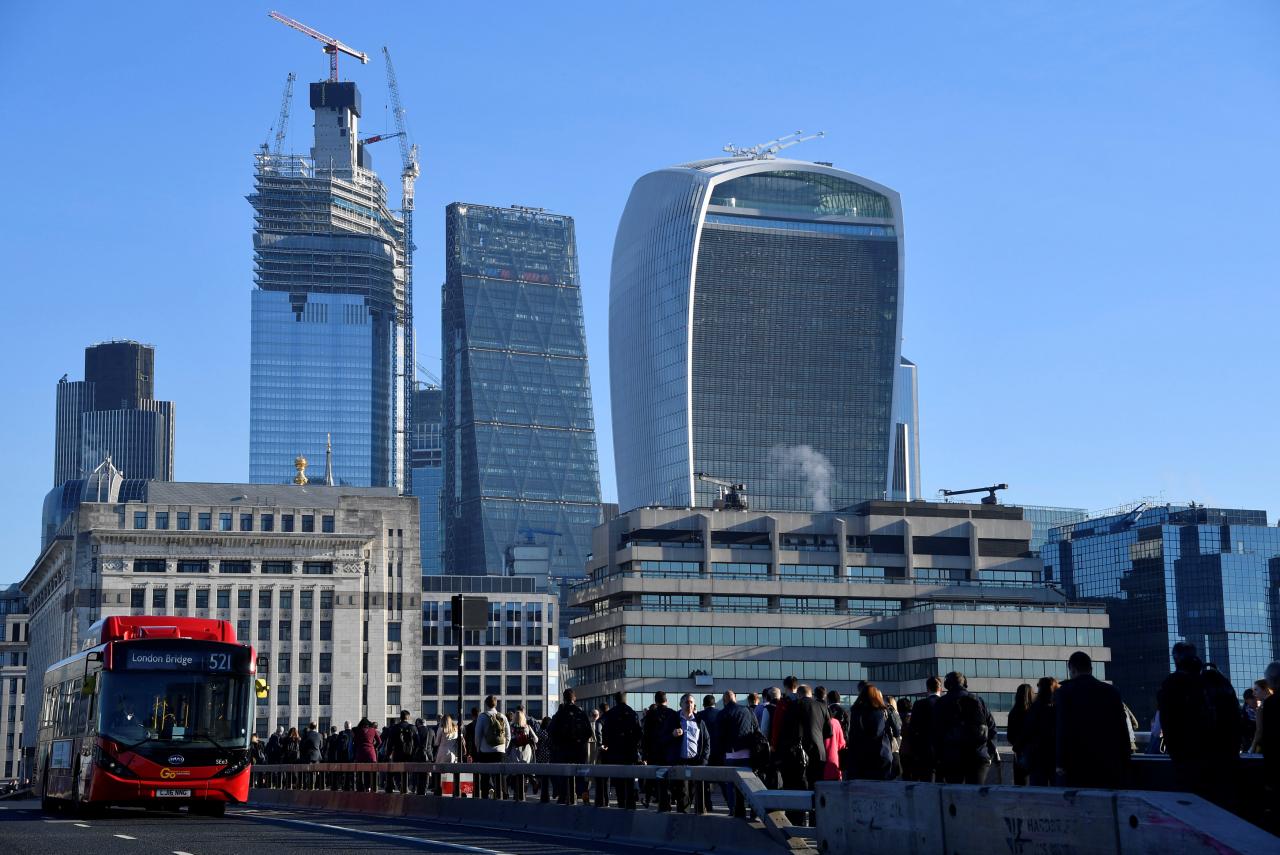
[(673, 832), (901, 818)]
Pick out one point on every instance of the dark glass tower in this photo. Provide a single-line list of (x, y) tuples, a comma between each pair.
[(522, 485), (754, 335), (331, 335), (426, 457)]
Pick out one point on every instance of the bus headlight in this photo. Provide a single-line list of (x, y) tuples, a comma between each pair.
[(115, 767), (236, 766)]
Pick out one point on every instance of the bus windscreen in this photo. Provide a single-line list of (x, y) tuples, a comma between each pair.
[(190, 708)]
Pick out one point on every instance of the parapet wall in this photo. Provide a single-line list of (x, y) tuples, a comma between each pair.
[(900, 818)]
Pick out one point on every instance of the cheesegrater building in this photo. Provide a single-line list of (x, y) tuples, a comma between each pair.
[(332, 331), (754, 335)]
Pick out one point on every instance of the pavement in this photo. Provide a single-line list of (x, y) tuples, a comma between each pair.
[(26, 830)]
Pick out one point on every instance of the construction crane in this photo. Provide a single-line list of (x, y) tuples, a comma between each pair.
[(432, 378), (768, 150), (733, 497), (989, 499), (282, 123), (530, 532), (331, 45), (380, 137)]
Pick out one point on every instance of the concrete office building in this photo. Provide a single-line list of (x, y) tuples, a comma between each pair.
[(113, 411), (426, 456), (1175, 572), (755, 335), (522, 483), (517, 658), (698, 600), (14, 635), (331, 324), (323, 581)]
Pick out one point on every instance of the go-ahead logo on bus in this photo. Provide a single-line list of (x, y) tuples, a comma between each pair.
[(176, 759), (168, 774)]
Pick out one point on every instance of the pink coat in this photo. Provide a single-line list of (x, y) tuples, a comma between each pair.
[(834, 742)]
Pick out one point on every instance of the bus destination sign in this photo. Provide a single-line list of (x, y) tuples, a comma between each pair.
[(185, 659)]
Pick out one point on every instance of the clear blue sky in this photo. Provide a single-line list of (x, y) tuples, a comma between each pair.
[(1090, 191)]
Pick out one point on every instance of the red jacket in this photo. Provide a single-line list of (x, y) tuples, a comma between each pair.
[(364, 744)]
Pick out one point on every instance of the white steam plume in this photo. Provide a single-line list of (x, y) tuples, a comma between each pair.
[(805, 460)]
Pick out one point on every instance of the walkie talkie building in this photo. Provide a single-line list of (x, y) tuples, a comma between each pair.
[(754, 334)]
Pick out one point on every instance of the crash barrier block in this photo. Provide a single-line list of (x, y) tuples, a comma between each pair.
[(905, 818)]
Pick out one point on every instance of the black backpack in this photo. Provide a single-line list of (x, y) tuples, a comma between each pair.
[(406, 741), (966, 733)]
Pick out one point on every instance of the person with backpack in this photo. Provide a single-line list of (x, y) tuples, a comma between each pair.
[(736, 736), (401, 747), (1092, 737), (869, 755), (964, 734), (620, 738), (1200, 714), (522, 749), (493, 736), (660, 744), (571, 734), (920, 732)]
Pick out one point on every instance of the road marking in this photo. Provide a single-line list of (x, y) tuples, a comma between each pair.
[(83, 825), (422, 841), (180, 852), (125, 837)]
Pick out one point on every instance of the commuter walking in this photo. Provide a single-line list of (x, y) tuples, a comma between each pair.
[(839, 715), (1016, 732), (964, 734), (401, 747), (871, 730), (707, 718), (312, 751), (570, 743), (424, 754), (593, 748), (805, 726), (1039, 736), (1092, 741), (620, 737), (274, 747), (736, 733), (767, 770), (891, 707), (1200, 715), (365, 743), (904, 751), (493, 736), (291, 747), (522, 749), (923, 758), (659, 726), (692, 747), (446, 745)]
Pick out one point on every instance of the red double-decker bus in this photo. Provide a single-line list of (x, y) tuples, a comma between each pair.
[(156, 711)]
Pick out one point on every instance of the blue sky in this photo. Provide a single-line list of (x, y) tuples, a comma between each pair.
[(1090, 193)]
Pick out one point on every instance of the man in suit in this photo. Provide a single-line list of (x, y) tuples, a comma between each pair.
[(1093, 738), (920, 732), (803, 745)]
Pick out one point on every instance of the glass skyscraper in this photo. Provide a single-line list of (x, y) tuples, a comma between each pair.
[(426, 454), (1206, 575), (521, 472), (754, 335), (331, 327)]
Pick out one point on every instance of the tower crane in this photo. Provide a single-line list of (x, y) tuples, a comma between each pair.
[(989, 499), (282, 123), (331, 45), (733, 497), (380, 137)]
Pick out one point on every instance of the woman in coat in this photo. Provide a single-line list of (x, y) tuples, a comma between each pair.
[(1016, 732), (1040, 735), (871, 735), (522, 749), (447, 741), (364, 749)]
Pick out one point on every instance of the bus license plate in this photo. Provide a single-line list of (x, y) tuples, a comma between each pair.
[(173, 794)]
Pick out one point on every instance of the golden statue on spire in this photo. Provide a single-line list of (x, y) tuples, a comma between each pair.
[(300, 463)]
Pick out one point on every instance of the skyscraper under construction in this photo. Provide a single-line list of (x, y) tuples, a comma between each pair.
[(332, 331)]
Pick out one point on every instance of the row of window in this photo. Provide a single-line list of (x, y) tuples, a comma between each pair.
[(745, 636), (1054, 636), (305, 523), (267, 568), (494, 660), (812, 572), (243, 596), (507, 686), (763, 672), (1016, 669)]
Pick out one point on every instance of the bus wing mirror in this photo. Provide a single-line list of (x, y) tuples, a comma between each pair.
[(260, 688), (89, 685)]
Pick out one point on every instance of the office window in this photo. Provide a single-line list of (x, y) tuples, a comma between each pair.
[(202, 598), (264, 630), (393, 631), (180, 598), (431, 685), (139, 519), (317, 568), (326, 663), (193, 566), (284, 630), (308, 522), (326, 630), (205, 521), (306, 600), (514, 686), (326, 524), (472, 684), (286, 522), (277, 568), (184, 520), (326, 694), (304, 695), (534, 658), (246, 522), (286, 601), (282, 695), (326, 600), (159, 599), (148, 565), (241, 567), (393, 696), (162, 520), (138, 598), (533, 685), (393, 663), (242, 630), (224, 522), (304, 630), (244, 598), (304, 663), (267, 522), (513, 660), (264, 599), (492, 684)]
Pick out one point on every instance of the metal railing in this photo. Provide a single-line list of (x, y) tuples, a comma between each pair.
[(601, 786)]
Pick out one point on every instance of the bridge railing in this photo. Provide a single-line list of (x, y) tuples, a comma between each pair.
[(598, 785)]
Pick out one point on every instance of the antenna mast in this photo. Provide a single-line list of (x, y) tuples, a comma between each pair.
[(769, 150)]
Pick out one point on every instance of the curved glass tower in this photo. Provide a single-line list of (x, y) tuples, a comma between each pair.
[(754, 334)]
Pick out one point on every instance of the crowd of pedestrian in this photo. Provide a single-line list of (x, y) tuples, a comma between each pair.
[(1078, 733)]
